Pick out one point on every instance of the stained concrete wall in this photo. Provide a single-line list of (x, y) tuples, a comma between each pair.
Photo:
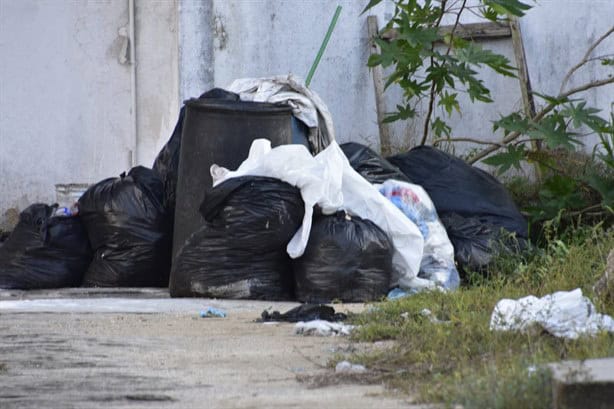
[(266, 37), (66, 111), (65, 98), (157, 75)]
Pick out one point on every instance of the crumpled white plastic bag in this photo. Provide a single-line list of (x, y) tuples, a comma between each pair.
[(329, 181), (306, 105), (322, 328), (565, 314)]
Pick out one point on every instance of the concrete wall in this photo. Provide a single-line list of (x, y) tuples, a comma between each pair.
[(266, 37), (157, 75), (66, 110), (66, 99)]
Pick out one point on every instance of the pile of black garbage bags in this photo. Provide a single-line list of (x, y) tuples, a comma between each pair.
[(120, 233), (119, 237), (479, 215)]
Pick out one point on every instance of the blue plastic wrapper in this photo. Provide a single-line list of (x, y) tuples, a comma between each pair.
[(212, 312)]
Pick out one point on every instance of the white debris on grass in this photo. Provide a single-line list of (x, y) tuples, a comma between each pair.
[(564, 314), (348, 367), (322, 328)]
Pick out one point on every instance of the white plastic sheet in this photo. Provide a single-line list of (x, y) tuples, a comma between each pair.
[(322, 328), (306, 105), (565, 314), (329, 181)]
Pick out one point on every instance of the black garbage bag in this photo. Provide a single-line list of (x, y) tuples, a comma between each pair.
[(129, 230), (456, 187), (3, 236), (304, 312), (370, 165), (240, 252), (473, 206), (347, 258), (477, 242), (166, 163), (44, 251)]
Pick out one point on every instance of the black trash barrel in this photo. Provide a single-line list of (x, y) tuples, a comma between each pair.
[(219, 132)]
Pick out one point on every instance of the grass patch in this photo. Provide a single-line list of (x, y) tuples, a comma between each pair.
[(460, 360)]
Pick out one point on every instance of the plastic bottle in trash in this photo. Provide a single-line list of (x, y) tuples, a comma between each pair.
[(62, 212)]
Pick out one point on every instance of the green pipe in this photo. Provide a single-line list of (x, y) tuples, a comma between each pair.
[(331, 27)]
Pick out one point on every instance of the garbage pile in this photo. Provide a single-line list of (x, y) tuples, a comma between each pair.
[(129, 229), (313, 222), (477, 211), (47, 249), (240, 251)]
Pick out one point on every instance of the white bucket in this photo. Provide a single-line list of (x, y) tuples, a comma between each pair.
[(68, 194)]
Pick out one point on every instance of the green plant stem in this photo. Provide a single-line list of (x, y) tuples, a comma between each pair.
[(331, 27), (432, 94), (514, 135), (425, 131)]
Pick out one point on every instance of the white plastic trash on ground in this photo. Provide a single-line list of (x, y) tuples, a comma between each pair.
[(565, 314), (438, 255), (322, 328), (329, 181)]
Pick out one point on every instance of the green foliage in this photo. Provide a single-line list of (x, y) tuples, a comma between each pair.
[(428, 65), (512, 157), (561, 130), (424, 70), (496, 8)]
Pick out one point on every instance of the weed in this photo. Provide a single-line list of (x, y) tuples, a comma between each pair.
[(459, 359)]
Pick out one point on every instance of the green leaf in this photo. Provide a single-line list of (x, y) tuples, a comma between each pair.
[(476, 55), (374, 60), (503, 7), (490, 14), (371, 4), (420, 36), (580, 115), (553, 131), (449, 102), (440, 128), (512, 123), (603, 185), (560, 193), (514, 156), (550, 99), (403, 112)]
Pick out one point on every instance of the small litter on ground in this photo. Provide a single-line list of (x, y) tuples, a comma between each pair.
[(322, 328), (212, 312), (564, 314)]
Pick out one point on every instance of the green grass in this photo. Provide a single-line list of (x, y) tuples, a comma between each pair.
[(461, 360)]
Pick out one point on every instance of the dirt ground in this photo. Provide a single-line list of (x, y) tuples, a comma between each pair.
[(140, 349)]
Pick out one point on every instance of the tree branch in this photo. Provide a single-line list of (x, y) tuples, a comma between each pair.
[(513, 135), (472, 140), (425, 131), (584, 59)]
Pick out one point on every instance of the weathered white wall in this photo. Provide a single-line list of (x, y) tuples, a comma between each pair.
[(65, 97), (157, 75), (195, 48), (266, 37)]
